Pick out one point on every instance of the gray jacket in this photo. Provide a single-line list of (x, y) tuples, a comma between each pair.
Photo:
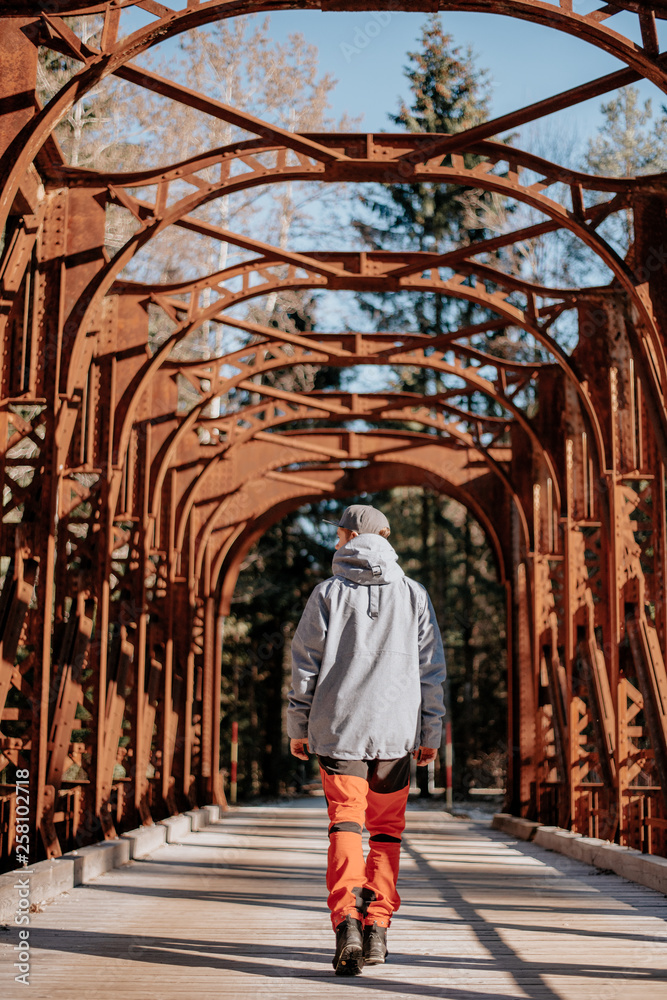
[(367, 660)]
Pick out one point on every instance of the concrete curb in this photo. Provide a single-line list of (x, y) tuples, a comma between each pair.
[(177, 827), (213, 813), (91, 861), (646, 869), (205, 816), (145, 839), (48, 879), (524, 829)]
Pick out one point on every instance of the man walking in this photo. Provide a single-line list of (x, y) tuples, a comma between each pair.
[(367, 674)]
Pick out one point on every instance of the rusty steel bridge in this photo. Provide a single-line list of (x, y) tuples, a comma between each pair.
[(126, 519)]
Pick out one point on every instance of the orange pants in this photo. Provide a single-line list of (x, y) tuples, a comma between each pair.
[(374, 794)]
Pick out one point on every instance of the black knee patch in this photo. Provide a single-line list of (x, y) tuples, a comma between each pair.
[(384, 838), (345, 827)]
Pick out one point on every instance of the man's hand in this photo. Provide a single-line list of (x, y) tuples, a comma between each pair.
[(425, 755), (299, 748)]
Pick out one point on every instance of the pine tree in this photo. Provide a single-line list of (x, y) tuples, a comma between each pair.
[(629, 142), (448, 95)]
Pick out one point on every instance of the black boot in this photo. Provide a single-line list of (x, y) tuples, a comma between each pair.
[(375, 944), (349, 957)]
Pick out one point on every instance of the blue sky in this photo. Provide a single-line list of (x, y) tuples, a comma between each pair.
[(526, 62), (366, 53)]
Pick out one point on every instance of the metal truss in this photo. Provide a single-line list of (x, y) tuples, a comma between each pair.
[(126, 517)]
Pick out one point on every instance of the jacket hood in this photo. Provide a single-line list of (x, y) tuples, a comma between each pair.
[(366, 560)]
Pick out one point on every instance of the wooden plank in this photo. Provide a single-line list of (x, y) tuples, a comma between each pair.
[(239, 910)]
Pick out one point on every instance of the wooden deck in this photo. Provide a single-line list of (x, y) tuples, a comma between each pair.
[(238, 910)]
